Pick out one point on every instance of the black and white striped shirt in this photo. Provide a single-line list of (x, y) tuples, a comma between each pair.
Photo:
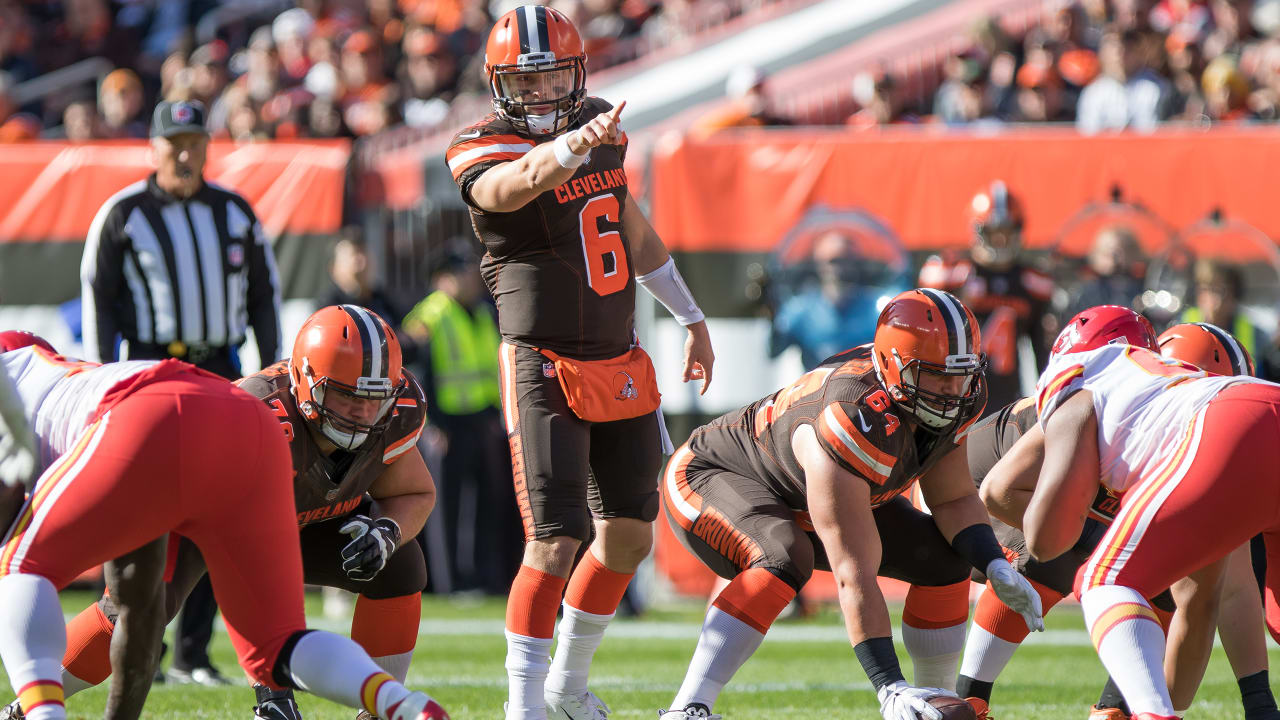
[(157, 269)]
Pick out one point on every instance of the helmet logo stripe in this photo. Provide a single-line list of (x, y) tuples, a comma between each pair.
[(1228, 341), (542, 38), (529, 39), (954, 319), (522, 27), (366, 338)]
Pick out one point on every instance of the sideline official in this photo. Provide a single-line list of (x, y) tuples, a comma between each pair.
[(176, 266)]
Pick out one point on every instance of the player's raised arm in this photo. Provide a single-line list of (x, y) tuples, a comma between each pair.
[(510, 186)]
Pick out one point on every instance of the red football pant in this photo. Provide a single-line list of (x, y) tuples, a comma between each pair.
[(1218, 489), (190, 454)]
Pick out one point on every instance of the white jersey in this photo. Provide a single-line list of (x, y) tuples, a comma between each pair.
[(1144, 403), (60, 396)]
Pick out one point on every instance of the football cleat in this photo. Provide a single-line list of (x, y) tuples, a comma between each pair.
[(275, 704), (980, 708), (417, 706), (694, 711), (12, 711), (1097, 713), (206, 676), (577, 707)]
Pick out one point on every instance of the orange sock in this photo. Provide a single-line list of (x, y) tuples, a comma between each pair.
[(996, 618), (930, 608), (388, 626), (88, 654), (532, 604), (595, 588), (755, 597)]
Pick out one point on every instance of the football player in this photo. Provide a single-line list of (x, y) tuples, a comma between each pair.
[(1009, 297), (130, 452), (1186, 449), (566, 245), (814, 476), (997, 631), (352, 416)]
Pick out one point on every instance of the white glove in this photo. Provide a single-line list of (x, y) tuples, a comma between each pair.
[(1015, 591), (900, 701), (17, 443)]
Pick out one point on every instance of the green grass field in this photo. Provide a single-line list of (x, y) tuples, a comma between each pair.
[(805, 669)]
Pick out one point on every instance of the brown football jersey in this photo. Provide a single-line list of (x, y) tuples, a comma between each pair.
[(331, 486), (855, 422), (991, 438), (559, 268)]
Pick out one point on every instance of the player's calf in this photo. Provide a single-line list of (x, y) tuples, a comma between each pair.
[(1130, 642)]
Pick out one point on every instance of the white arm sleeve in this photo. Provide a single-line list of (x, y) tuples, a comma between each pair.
[(668, 287), (17, 444)]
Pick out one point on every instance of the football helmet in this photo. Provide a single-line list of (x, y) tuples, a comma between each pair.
[(1206, 346), (1105, 325), (346, 350), (537, 70), (16, 339), (995, 215), (928, 332)]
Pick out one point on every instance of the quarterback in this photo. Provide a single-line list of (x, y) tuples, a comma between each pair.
[(565, 246)]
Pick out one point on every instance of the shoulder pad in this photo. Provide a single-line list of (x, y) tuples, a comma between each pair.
[(407, 423), (845, 433)]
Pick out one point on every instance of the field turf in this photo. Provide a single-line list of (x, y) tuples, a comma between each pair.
[(805, 669)]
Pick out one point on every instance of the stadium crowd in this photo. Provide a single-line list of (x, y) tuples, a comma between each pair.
[(341, 68), (326, 68)]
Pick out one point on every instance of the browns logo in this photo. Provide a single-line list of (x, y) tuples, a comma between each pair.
[(624, 386)]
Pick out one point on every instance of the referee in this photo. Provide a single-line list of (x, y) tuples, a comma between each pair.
[(179, 268), (176, 266)]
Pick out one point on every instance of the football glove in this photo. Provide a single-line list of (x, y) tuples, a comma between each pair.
[(900, 701), (1015, 591), (372, 542)]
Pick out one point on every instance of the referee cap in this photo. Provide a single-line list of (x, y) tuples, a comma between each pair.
[(177, 118)]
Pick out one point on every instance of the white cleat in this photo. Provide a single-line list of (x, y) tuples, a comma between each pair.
[(418, 706), (695, 711), (577, 707)]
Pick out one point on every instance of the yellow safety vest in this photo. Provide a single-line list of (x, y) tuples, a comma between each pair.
[(464, 354), (1242, 329)]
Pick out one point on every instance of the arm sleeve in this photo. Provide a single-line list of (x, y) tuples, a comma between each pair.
[(263, 296), (101, 279)]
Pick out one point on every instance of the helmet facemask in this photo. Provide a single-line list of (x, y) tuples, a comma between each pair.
[(939, 411), (345, 432), (538, 81)]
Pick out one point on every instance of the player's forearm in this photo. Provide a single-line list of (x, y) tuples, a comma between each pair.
[(865, 613), (1005, 504), (409, 511), (510, 186)]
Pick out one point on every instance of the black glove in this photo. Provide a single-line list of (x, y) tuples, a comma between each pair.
[(372, 542)]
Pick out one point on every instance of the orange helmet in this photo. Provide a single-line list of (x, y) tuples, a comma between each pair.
[(996, 214), (537, 70), (349, 350), (930, 332), (1206, 346)]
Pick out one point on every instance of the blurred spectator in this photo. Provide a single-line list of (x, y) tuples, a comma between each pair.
[(1039, 95), (880, 100), (455, 323), (208, 67), (959, 98), (19, 128), (1114, 273), (429, 76), (1226, 91), (1128, 93), (1008, 296), (120, 100), (839, 310), (367, 91), (80, 122), (289, 32), (353, 284), (1216, 293), (750, 105)]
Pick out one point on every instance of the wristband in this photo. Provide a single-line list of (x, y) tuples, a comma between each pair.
[(977, 545), (567, 158), (879, 661), (668, 287)]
